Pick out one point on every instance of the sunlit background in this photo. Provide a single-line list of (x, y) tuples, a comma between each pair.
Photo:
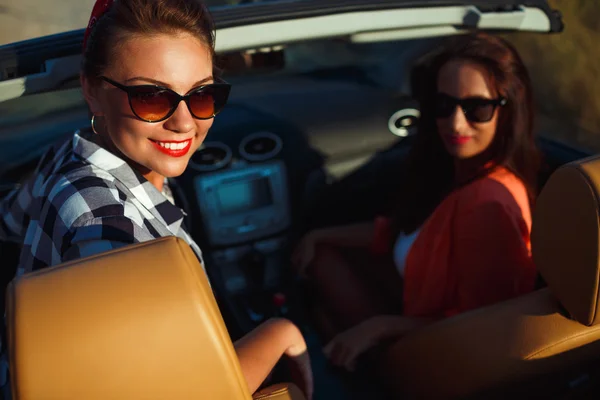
[(565, 70), (565, 67)]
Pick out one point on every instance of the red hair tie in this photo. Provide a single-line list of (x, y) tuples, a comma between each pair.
[(100, 8)]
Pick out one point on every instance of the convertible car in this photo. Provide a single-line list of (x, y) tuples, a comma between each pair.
[(318, 124)]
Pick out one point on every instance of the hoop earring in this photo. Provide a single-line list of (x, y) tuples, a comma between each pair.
[(92, 123)]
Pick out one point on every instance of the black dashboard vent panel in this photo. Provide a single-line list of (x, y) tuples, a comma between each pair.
[(211, 156), (260, 146)]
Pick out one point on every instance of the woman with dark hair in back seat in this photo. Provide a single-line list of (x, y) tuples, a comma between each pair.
[(459, 238), (148, 78)]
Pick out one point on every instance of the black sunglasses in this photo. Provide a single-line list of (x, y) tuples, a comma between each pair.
[(476, 109), (152, 103)]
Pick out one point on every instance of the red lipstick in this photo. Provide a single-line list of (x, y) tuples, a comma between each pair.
[(458, 140), (173, 152)]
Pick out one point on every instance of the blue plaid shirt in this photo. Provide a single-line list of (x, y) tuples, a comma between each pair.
[(83, 200)]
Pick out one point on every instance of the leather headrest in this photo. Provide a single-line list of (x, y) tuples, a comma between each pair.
[(140, 322), (565, 238)]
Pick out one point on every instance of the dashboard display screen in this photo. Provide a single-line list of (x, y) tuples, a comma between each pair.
[(243, 196)]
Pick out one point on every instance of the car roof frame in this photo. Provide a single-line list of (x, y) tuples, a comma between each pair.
[(46, 64)]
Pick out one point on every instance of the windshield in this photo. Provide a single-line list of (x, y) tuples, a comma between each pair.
[(28, 19), (563, 67)]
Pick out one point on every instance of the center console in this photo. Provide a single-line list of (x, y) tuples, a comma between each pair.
[(246, 215), (244, 203)]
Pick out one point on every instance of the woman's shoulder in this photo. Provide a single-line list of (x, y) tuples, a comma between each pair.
[(500, 187), (497, 186), (79, 192), (62, 170), (74, 191)]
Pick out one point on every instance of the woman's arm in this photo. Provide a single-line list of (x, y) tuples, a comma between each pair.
[(354, 235), (490, 249), (262, 348), (392, 326), (101, 234), (346, 347), (13, 213)]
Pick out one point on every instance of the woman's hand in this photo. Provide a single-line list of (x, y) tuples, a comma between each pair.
[(304, 253), (345, 348)]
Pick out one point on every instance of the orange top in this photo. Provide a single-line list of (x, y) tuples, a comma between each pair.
[(474, 249)]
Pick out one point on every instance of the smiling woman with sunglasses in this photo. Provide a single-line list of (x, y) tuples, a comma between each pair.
[(150, 84), (458, 237)]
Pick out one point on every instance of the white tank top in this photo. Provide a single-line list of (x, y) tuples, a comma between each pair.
[(401, 249)]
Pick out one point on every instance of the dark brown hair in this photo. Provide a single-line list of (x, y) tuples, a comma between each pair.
[(127, 18), (430, 168)]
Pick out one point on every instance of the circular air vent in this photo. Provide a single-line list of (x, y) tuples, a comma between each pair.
[(404, 122), (260, 146), (211, 156)]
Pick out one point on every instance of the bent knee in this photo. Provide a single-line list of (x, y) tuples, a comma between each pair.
[(327, 259), (325, 251)]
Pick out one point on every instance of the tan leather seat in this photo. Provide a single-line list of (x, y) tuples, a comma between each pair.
[(534, 345), (140, 322)]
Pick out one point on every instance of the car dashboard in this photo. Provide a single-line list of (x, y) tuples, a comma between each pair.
[(285, 156)]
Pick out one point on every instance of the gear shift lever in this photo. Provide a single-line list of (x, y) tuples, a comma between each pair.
[(254, 267)]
